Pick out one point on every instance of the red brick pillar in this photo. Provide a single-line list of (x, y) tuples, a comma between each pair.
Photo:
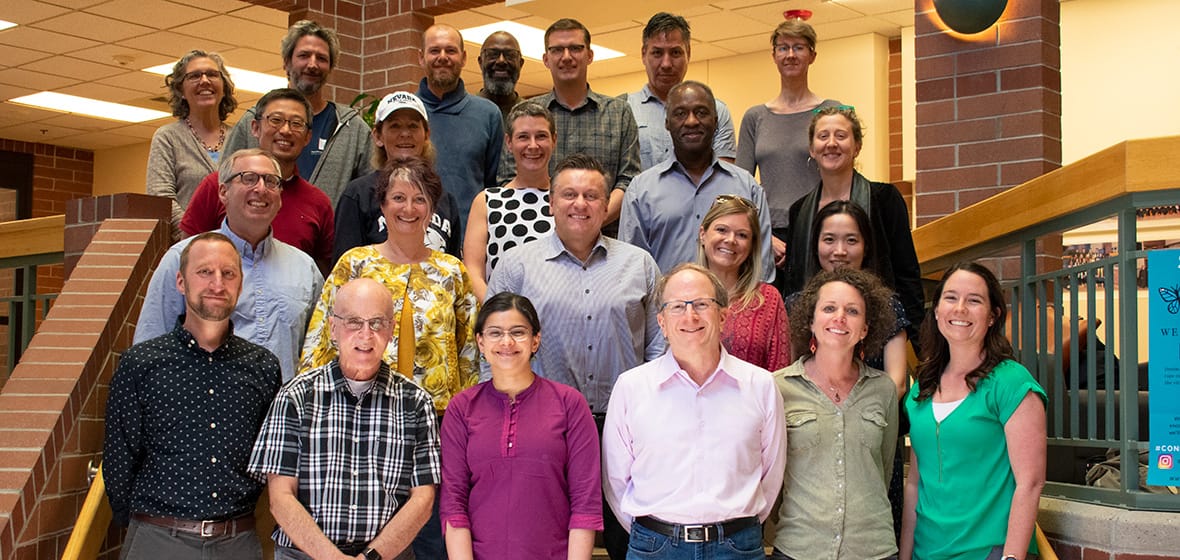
[(988, 105)]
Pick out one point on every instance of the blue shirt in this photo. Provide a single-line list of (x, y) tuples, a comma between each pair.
[(655, 143), (663, 209), (280, 285), (323, 126), (599, 315)]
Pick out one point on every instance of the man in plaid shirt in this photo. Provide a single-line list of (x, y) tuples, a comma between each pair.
[(349, 450)]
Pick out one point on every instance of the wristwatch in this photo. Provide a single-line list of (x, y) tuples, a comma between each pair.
[(1009, 556), (371, 554)]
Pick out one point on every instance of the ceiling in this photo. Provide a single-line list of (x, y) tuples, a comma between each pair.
[(97, 48)]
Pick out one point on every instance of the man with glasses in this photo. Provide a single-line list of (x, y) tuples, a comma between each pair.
[(664, 206), (467, 130), (500, 61), (306, 219), (667, 48), (587, 122), (595, 293), (338, 148), (280, 284), (694, 443), (183, 411), (350, 450)]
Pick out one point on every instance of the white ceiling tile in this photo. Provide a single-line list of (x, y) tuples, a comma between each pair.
[(90, 26), (253, 59), (35, 132), (876, 7), (748, 44), (16, 56), (157, 14), (261, 14), (123, 57), (174, 44), (822, 12), (103, 92), (219, 6), (70, 67), (143, 82), (44, 40), (9, 91), (245, 33), (859, 26), (728, 25), (35, 80), (29, 11), (901, 18)]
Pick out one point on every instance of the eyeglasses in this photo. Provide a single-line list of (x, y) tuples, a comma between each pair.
[(558, 50), (798, 49), (296, 125), (496, 335), (699, 305), (196, 75), (741, 200), (355, 324), (510, 55), (250, 178)]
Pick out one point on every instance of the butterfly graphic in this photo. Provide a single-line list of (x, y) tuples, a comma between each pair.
[(1172, 297)]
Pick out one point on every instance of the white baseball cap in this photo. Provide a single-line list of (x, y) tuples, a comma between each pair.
[(400, 100)]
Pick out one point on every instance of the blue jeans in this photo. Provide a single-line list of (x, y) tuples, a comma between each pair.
[(646, 544), (429, 545)]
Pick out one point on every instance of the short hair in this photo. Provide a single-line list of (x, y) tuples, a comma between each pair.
[(207, 236), (413, 170), (676, 89), (175, 84), (719, 292), (306, 27), (567, 24), (508, 301), (937, 354), (663, 22), (530, 109), (283, 93), (749, 272), (846, 111), (584, 162), (863, 223), (795, 29), (879, 314), (226, 168)]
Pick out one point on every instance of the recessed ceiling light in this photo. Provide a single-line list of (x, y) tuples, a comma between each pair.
[(248, 80), (6, 24), (89, 107), (531, 39)]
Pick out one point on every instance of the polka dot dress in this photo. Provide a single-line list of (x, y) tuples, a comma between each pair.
[(515, 217)]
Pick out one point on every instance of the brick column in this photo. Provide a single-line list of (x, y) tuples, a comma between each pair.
[(988, 106)]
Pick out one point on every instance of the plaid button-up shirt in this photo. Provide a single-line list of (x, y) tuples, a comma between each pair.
[(356, 458)]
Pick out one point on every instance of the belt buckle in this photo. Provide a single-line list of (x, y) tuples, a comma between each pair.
[(695, 533), (208, 528)]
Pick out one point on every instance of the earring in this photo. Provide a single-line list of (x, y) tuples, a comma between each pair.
[(813, 345)]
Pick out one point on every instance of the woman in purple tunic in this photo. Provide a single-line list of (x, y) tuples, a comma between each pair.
[(520, 453)]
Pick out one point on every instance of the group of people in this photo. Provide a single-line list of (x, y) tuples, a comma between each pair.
[(364, 341)]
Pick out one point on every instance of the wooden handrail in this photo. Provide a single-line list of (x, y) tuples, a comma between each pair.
[(1128, 167), (36, 236)]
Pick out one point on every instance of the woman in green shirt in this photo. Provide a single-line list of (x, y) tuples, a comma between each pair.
[(977, 431)]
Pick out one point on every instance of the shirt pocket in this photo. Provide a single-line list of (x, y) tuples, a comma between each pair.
[(872, 428), (802, 430)]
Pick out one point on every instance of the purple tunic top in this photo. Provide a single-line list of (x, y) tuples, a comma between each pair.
[(520, 474)]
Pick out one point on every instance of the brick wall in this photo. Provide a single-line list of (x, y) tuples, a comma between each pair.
[(52, 408)]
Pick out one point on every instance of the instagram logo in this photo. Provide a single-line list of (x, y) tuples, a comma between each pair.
[(1165, 461)]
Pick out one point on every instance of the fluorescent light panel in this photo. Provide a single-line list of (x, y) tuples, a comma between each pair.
[(248, 80), (531, 39), (90, 107), (6, 24)]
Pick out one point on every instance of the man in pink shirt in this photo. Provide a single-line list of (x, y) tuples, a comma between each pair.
[(694, 442)]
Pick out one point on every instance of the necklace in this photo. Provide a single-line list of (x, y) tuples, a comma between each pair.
[(831, 386), (220, 138)]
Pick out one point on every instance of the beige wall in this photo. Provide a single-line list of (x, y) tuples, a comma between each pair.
[(122, 169), (853, 70)]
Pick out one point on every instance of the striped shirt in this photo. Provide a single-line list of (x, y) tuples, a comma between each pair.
[(356, 458), (600, 315)]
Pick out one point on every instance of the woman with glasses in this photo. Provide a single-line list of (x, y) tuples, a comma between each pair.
[(771, 138), (433, 338), (184, 152), (755, 329), (977, 431), (836, 138), (520, 457), (401, 130), (841, 423)]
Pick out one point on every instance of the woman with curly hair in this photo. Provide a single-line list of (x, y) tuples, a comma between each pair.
[(841, 422)]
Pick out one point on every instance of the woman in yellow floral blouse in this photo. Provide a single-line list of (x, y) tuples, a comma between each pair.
[(440, 353)]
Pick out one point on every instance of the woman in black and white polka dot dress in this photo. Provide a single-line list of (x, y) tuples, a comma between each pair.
[(504, 217)]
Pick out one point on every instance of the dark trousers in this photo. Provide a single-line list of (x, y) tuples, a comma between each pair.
[(614, 536), (145, 541)]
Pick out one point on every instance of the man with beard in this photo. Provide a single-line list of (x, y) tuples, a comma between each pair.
[(664, 206), (339, 146), (281, 282), (500, 61), (467, 131), (183, 411)]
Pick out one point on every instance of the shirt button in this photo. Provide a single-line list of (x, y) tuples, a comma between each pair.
[(509, 444), (352, 507), (215, 494), (210, 359), (213, 425), (587, 317), (210, 391), (356, 472), (839, 461), (213, 459), (587, 290), (356, 440)]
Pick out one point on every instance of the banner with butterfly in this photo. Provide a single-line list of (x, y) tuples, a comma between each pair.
[(1163, 320)]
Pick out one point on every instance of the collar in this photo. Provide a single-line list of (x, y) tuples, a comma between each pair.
[(244, 247), (673, 164), (449, 97), (557, 248), (592, 101), (382, 382), (796, 369), (647, 96), (188, 340), (670, 368)]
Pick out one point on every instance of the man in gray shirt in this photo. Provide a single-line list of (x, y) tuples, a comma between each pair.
[(663, 208)]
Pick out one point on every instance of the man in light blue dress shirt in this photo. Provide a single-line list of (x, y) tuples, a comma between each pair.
[(280, 284)]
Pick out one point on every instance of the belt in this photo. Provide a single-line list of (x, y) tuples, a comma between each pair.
[(704, 532), (206, 529)]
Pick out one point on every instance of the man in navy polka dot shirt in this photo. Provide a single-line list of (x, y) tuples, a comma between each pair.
[(183, 411)]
